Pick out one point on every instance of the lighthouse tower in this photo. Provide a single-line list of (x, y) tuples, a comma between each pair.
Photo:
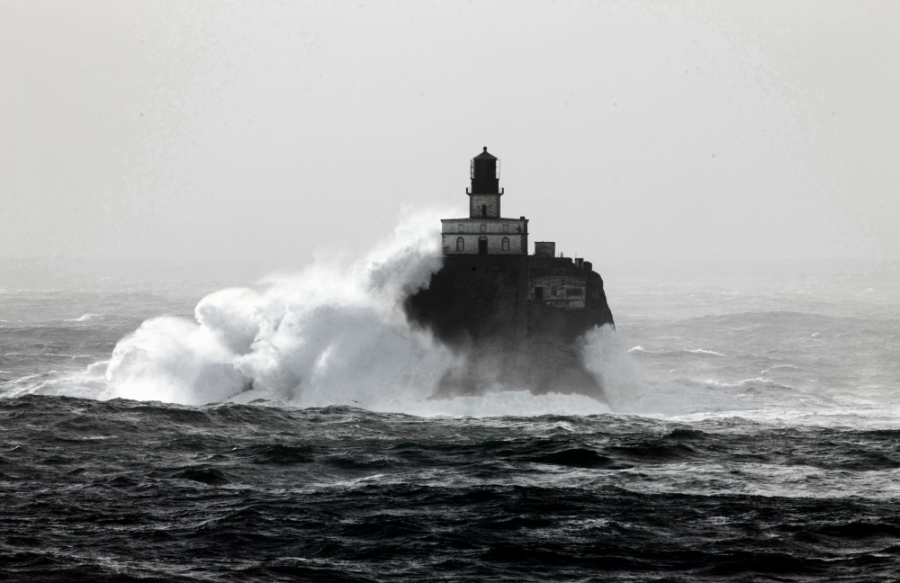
[(485, 193), (485, 231)]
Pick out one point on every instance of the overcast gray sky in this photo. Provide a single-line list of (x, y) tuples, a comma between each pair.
[(626, 130)]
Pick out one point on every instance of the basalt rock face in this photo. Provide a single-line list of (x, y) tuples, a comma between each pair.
[(520, 321)]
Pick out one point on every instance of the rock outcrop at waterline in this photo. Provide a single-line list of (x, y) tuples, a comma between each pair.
[(519, 320)]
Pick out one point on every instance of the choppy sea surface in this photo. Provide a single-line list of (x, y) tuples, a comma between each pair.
[(749, 430)]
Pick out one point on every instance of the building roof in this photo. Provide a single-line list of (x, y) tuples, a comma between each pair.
[(485, 155)]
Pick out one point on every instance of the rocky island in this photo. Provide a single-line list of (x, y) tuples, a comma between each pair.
[(520, 319)]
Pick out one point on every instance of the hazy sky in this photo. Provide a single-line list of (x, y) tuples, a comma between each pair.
[(276, 130)]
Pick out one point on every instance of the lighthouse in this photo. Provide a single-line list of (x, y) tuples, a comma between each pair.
[(485, 231), (518, 319)]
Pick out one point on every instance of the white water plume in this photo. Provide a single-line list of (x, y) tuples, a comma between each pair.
[(326, 336)]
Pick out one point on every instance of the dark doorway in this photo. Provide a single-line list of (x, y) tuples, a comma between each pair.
[(539, 293), (484, 210), (482, 246)]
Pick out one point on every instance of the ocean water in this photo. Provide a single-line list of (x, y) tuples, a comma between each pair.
[(178, 429)]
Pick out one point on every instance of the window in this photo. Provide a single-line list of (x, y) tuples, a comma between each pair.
[(483, 228), (506, 227), (484, 210), (460, 244), (460, 228), (504, 244)]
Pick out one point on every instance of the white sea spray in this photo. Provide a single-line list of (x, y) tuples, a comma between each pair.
[(328, 335)]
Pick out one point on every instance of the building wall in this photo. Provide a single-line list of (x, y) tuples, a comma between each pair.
[(560, 291), (485, 227), (545, 249), (494, 230), (518, 244), (491, 200)]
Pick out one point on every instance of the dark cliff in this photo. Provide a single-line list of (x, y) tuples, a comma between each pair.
[(519, 320)]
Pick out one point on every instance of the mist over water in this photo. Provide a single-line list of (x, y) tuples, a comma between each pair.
[(751, 341)]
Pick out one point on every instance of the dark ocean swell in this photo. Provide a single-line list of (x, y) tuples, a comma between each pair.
[(132, 491)]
